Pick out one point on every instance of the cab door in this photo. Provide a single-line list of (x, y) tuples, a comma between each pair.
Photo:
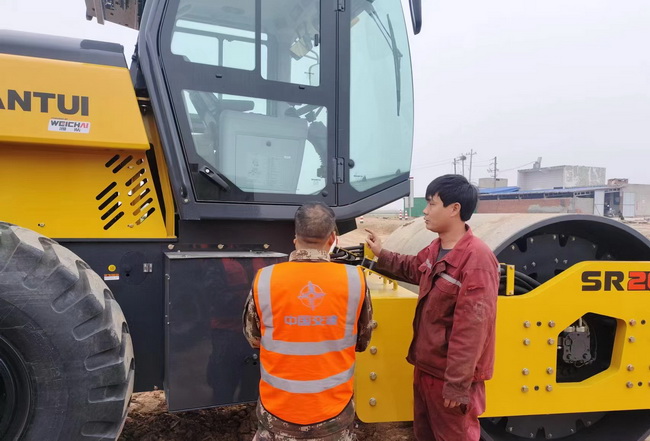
[(253, 89)]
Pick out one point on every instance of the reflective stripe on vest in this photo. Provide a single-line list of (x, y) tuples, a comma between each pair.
[(307, 387), (308, 348)]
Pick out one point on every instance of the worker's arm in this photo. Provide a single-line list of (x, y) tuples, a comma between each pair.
[(402, 266), (251, 322)]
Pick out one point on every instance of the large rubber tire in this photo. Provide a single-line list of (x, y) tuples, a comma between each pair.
[(66, 357)]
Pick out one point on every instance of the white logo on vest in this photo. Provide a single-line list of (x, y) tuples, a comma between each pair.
[(311, 296)]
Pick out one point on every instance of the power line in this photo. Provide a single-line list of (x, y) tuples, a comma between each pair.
[(434, 164), (519, 166), (446, 161), (430, 166)]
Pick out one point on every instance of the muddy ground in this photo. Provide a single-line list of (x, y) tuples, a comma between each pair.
[(149, 420)]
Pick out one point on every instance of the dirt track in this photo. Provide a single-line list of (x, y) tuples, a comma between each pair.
[(149, 420)]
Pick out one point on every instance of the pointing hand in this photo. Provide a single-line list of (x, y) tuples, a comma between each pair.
[(374, 242)]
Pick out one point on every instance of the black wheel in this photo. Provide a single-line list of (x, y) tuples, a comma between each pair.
[(537, 427), (629, 425), (66, 358)]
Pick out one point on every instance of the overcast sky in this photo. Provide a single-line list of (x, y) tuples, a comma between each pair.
[(568, 81), (565, 80), (66, 17)]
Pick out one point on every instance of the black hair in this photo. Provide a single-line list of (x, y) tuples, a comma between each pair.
[(314, 221), (455, 188)]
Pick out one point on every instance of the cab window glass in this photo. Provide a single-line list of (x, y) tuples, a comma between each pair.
[(293, 29), (199, 39), (255, 146), (381, 94)]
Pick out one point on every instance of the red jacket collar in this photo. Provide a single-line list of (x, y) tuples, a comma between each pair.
[(454, 256)]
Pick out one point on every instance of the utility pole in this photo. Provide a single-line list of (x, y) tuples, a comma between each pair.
[(462, 159), (471, 154), (494, 171), (455, 166)]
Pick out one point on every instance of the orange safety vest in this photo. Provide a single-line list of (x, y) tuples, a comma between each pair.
[(308, 320)]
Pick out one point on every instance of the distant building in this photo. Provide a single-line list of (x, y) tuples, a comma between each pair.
[(558, 200), (633, 200), (619, 199), (560, 189), (561, 176), (492, 182), (617, 181)]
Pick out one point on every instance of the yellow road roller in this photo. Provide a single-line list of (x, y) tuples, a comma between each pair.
[(573, 330)]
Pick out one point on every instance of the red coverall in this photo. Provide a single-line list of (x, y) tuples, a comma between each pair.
[(453, 334)]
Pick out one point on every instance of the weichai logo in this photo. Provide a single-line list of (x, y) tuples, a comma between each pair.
[(616, 281), (45, 102), (63, 125)]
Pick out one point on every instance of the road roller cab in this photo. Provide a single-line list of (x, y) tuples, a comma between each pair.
[(138, 203)]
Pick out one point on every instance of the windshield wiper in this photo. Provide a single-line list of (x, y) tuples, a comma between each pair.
[(397, 60), (389, 36)]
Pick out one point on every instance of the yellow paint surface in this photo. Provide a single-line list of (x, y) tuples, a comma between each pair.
[(556, 304)]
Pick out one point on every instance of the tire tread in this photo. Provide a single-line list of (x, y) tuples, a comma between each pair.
[(79, 314)]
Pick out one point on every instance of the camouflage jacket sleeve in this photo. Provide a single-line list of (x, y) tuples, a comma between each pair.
[(251, 322), (364, 324)]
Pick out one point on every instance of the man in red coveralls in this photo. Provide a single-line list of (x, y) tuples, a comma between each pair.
[(453, 328)]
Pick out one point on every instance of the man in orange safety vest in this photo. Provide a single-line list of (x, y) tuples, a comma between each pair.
[(308, 316)]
